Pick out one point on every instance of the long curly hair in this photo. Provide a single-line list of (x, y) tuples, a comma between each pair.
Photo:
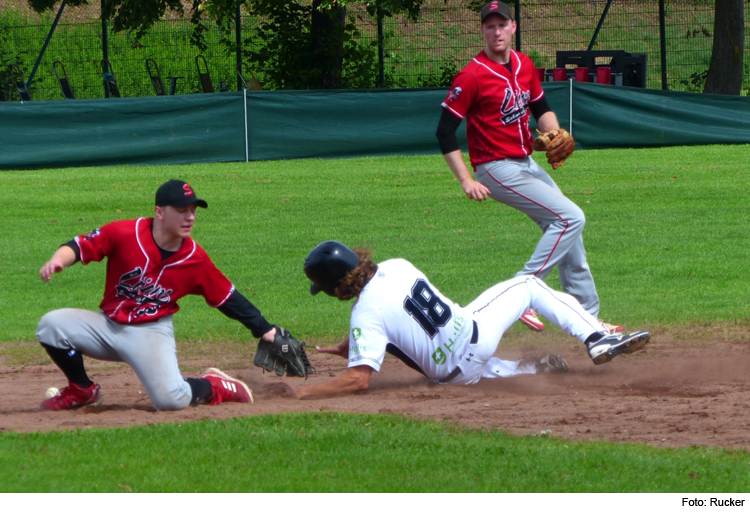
[(354, 281)]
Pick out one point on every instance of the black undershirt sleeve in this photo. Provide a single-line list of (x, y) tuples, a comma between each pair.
[(237, 307), (74, 246), (539, 107), (446, 132)]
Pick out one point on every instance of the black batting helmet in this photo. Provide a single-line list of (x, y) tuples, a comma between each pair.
[(327, 264)]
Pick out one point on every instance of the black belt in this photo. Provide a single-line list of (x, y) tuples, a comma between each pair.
[(457, 371)]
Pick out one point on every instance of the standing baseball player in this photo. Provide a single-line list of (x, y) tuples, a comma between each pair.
[(399, 311), (151, 264), (495, 93)]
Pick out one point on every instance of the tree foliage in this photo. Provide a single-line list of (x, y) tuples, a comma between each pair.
[(298, 45)]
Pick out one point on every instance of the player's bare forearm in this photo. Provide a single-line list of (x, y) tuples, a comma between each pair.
[(354, 379), (473, 189), (548, 121), (62, 258)]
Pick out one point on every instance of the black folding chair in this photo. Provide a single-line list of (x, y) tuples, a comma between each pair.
[(110, 82), (20, 82), (155, 75), (205, 77), (157, 82), (251, 83), (62, 79)]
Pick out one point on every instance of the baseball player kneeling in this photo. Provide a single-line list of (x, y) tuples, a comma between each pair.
[(399, 311), (151, 264)]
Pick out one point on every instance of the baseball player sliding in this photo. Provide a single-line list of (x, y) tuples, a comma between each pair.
[(399, 311), (494, 94), (151, 264)]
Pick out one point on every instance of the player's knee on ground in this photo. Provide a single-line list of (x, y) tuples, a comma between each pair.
[(173, 398)]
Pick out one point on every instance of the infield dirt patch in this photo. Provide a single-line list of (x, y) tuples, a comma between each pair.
[(674, 393)]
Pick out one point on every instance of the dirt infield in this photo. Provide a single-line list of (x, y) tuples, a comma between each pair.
[(675, 393)]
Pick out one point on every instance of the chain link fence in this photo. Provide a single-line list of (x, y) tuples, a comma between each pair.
[(424, 53)]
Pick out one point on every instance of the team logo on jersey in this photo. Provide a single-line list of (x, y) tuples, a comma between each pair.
[(514, 106), (356, 348), (90, 236), (453, 95), (143, 291), (439, 356)]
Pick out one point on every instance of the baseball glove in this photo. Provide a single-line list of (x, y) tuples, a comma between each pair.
[(286, 355), (558, 144)]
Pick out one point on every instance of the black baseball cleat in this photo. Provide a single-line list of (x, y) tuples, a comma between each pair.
[(552, 364), (605, 349)]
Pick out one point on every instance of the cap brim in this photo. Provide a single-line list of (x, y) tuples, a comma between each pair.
[(314, 290), (197, 202), (506, 17)]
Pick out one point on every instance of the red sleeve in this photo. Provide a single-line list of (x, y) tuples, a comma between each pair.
[(463, 92), (212, 284), (96, 244)]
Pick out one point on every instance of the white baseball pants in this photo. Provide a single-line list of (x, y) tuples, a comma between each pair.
[(498, 308)]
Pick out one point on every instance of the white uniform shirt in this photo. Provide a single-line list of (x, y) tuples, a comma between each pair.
[(401, 309)]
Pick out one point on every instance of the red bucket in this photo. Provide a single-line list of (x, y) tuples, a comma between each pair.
[(582, 74), (604, 75), (559, 74), (540, 73)]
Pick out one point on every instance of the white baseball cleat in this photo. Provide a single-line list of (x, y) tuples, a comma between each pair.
[(605, 349)]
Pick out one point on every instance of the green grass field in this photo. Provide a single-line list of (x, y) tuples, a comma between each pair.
[(667, 239), (330, 452)]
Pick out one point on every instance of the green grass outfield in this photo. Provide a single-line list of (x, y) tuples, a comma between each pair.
[(667, 233), (329, 452), (667, 237)]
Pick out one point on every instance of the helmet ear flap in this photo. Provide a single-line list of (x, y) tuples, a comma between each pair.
[(327, 264)]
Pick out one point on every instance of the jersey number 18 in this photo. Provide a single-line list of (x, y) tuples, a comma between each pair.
[(426, 308)]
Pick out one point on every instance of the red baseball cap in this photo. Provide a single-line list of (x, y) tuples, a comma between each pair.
[(500, 8)]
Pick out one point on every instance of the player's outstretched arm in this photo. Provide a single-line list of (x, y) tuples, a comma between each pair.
[(340, 349), (354, 379), (62, 258)]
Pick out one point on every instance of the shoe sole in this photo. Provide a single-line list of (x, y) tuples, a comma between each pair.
[(554, 364), (534, 326), (220, 374), (559, 364), (630, 346)]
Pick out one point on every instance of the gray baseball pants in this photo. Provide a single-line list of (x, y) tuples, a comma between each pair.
[(149, 349), (525, 186)]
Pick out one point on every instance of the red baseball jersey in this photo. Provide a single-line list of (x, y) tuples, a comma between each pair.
[(140, 287), (495, 102)]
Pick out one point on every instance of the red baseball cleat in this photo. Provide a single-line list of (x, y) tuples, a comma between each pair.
[(224, 388), (73, 397), (530, 320), (611, 327)]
